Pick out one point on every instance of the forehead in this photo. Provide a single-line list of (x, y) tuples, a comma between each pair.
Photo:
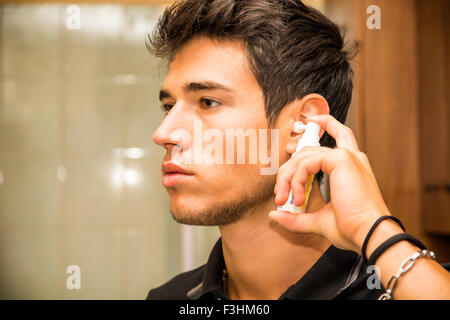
[(206, 59)]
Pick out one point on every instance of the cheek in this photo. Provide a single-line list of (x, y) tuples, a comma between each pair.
[(230, 181)]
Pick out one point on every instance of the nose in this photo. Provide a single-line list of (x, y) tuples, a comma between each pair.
[(174, 130)]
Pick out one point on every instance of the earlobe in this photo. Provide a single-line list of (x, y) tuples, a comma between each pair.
[(292, 144)]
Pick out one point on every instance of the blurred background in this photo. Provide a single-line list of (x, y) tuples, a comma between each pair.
[(80, 175)]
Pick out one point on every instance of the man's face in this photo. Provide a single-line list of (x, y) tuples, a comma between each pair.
[(210, 85)]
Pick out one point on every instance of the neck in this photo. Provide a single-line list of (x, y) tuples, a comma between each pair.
[(263, 259)]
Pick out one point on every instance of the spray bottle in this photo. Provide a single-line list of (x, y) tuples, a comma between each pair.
[(311, 137)]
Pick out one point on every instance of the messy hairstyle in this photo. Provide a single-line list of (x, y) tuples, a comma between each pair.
[(293, 49)]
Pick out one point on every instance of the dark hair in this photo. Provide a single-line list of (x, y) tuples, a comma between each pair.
[(293, 49)]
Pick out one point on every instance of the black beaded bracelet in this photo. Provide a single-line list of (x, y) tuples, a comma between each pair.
[(369, 234), (390, 242)]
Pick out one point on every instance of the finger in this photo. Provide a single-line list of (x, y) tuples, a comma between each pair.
[(307, 167), (342, 134), (301, 223), (281, 171), (282, 185), (308, 151), (287, 171), (362, 157)]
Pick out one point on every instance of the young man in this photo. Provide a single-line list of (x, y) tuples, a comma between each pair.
[(254, 66)]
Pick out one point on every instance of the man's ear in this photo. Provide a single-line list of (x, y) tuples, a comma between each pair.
[(309, 105), (313, 104)]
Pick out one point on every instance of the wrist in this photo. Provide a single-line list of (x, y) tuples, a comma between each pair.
[(385, 230), (372, 222)]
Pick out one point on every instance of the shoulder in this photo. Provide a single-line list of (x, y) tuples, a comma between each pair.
[(178, 287)]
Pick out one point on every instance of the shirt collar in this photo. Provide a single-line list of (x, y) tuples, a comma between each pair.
[(212, 282), (334, 271)]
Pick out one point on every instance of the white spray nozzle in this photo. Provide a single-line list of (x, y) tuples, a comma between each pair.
[(299, 127), (311, 135)]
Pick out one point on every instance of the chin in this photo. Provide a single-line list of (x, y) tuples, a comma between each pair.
[(183, 206)]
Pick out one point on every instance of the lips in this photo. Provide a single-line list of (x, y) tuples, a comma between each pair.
[(170, 167), (174, 174)]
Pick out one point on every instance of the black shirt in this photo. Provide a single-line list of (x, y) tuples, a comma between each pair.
[(338, 274)]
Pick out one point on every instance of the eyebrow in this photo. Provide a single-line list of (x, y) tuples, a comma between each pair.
[(196, 86)]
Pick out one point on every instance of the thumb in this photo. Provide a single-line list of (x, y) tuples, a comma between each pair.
[(300, 223)]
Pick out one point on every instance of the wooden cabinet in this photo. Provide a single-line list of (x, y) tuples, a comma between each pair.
[(400, 108), (433, 21)]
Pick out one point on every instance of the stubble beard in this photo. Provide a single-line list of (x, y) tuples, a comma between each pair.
[(227, 212)]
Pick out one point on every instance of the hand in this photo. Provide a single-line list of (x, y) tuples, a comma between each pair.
[(356, 202)]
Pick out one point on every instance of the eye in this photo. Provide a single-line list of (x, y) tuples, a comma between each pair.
[(166, 108), (208, 103)]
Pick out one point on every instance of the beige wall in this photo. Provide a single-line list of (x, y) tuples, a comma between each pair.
[(69, 100)]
